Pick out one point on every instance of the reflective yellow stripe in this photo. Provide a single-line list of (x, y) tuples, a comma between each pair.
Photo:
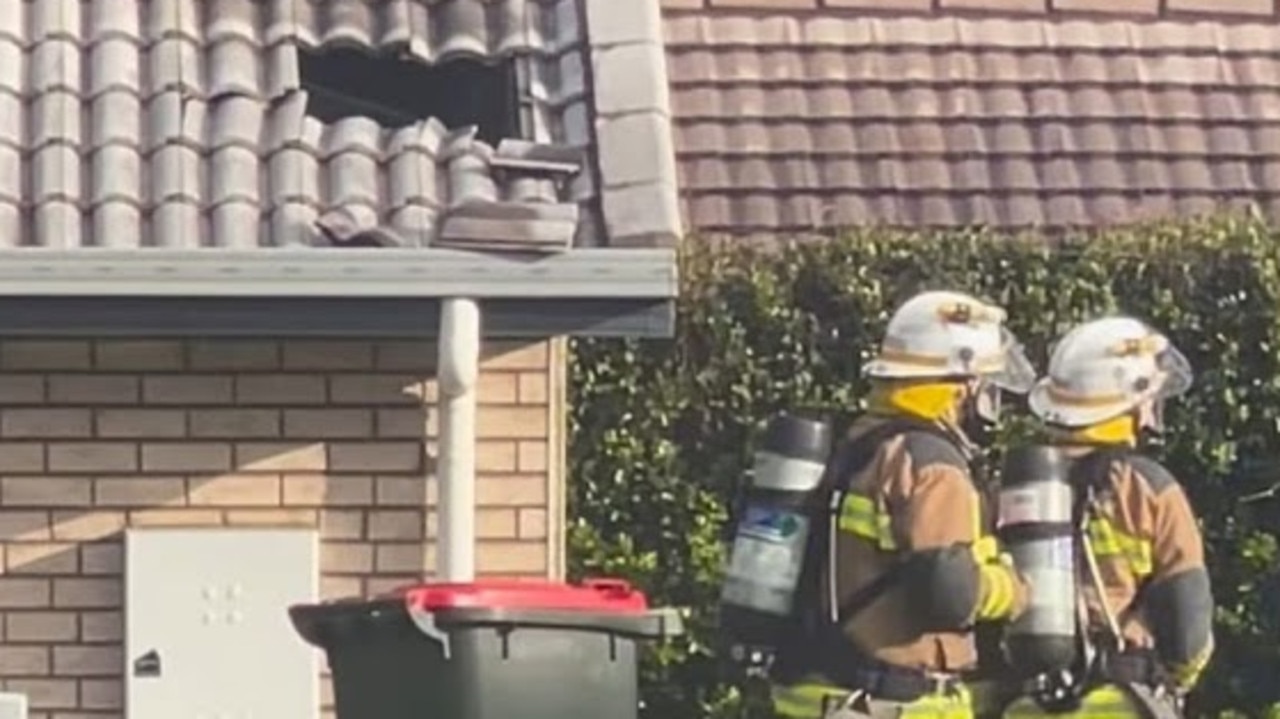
[(860, 516), (1109, 541), (997, 592), (804, 700)]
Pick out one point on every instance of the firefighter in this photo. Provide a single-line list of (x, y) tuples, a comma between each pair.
[(1147, 609), (909, 565)]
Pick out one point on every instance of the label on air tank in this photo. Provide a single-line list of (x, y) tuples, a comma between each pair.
[(769, 548)]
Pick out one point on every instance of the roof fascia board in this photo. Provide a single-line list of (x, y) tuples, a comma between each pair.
[(327, 317), (605, 273)]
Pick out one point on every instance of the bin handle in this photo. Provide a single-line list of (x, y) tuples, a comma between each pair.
[(618, 587)]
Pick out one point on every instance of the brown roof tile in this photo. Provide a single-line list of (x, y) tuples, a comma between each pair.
[(788, 121)]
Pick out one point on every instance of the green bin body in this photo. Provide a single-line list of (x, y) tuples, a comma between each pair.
[(486, 650)]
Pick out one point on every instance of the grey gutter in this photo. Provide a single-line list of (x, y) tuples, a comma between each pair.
[(595, 273)]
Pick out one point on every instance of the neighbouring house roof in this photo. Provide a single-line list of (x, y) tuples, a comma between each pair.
[(161, 127), (799, 120)]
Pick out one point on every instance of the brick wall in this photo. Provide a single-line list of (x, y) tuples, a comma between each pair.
[(97, 436), (1170, 8)]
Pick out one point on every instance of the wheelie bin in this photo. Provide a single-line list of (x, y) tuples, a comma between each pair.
[(498, 649)]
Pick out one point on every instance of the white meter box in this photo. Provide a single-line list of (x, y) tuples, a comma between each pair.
[(207, 630)]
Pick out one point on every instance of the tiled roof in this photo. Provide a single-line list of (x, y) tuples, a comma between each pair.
[(180, 123), (792, 120)]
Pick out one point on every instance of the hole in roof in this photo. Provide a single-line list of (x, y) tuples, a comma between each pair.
[(397, 92)]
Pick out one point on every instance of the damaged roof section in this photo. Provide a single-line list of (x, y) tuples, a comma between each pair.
[(183, 124), (799, 121)]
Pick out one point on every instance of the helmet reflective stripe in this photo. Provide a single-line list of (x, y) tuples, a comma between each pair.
[(950, 334), (1104, 368)]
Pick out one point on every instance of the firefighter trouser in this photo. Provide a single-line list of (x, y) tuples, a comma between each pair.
[(819, 700), (1108, 701)]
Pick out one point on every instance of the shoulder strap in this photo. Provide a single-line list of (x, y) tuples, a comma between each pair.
[(850, 458)]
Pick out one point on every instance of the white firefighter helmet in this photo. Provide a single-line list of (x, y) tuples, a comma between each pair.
[(1104, 368), (950, 334)]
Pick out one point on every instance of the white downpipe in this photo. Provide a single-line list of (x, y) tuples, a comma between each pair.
[(459, 370)]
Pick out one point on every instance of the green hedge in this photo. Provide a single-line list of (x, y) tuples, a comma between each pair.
[(661, 431)]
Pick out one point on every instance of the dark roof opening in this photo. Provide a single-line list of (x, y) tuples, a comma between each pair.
[(398, 92)]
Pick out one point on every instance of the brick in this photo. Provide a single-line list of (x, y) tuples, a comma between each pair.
[(176, 518), (1128, 7), (339, 588), (497, 388), (281, 457), (18, 593), (87, 661), (149, 423), (187, 389), (1036, 6), (396, 524), (186, 457), (46, 693), (102, 558), (375, 586), (532, 456), (511, 557), (328, 423), (1223, 7), (414, 356), (511, 422), (81, 389), (46, 491), (85, 526), (21, 457), (235, 423), (495, 523), (21, 389), (342, 524), (316, 490), (274, 389), (515, 356), (46, 355), (304, 518), (94, 593), (42, 558), (40, 626), (101, 694), (533, 388), (402, 423), (375, 389), (778, 4), (322, 355), (24, 526), (19, 661), (496, 456), (346, 558), (532, 523), (234, 355), (138, 355), (143, 491), (405, 491), (375, 456), (235, 490), (93, 457), (97, 626), (401, 557), (511, 491), (50, 423)]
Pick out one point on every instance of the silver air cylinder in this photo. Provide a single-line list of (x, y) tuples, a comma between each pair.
[(772, 533), (1036, 527)]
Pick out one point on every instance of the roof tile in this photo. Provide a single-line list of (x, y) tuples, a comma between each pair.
[(944, 119), (182, 123)]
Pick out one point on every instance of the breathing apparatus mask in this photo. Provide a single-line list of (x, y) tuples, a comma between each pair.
[(983, 404)]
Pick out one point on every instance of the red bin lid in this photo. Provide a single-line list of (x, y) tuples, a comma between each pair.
[(605, 596)]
